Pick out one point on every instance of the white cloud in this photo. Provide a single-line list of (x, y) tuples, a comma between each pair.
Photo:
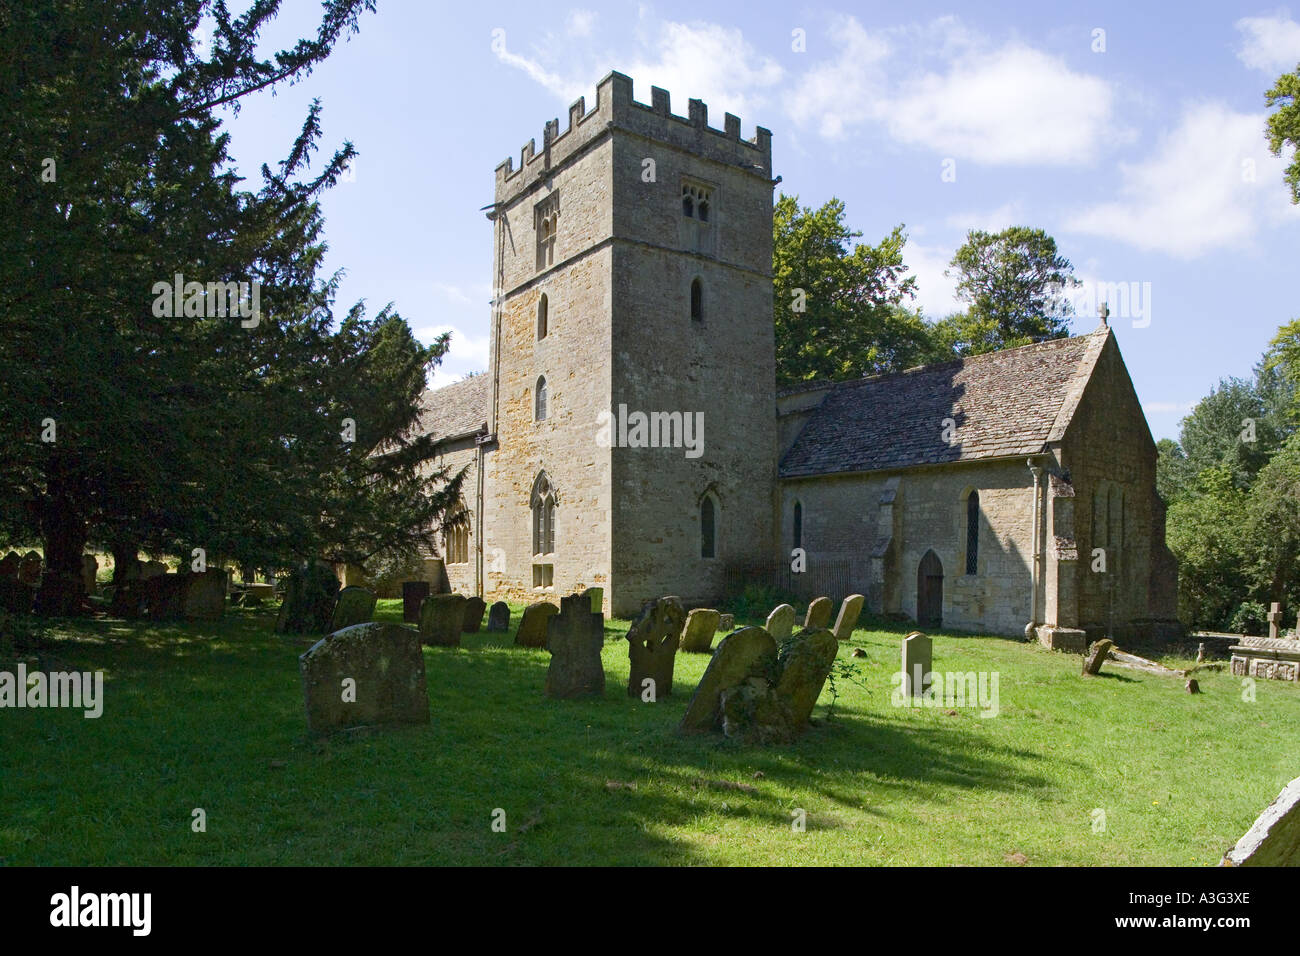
[(580, 22), (1271, 44), (935, 292), (1207, 184), (843, 91), (1167, 408), (466, 353), (992, 220)]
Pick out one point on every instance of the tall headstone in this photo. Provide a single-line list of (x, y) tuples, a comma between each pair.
[(652, 648), (367, 674), (499, 617), (847, 620), (356, 605), (780, 623), (747, 652), (442, 617), (574, 638), (1274, 620), (474, 608), (918, 661), (819, 614), (697, 633), (532, 628)]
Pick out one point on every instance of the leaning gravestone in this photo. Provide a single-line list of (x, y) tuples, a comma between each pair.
[(652, 648), (499, 617), (1097, 656), (819, 614), (356, 605), (697, 634), (442, 617), (918, 659), (89, 573), (747, 652), (780, 622), (847, 620), (532, 629), (574, 638), (805, 663), (754, 713), (203, 596), (364, 675), (1274, 838), (474, 608)]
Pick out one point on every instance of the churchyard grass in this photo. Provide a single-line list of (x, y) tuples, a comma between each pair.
[(211, 716)]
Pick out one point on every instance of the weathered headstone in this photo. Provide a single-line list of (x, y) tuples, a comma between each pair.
[(804, 665), (597, 596), (1274, 838), (310, 593), (474, 608), (499, 617), (152, 569), (364, 675), (697, 633), (652, 648), (754, 713), (727, 623), (819, 613), (847, 619), (917, 662), (161, 597), (1096, 656), (413, 595), (89, 573), (356, 605), (574, 638), (9, 565), (747, 652), (442, 616), (1274, 620), (203, 596), (29, 569), (780, 623), (532, 627)]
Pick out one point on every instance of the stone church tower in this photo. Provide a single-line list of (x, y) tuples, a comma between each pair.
[(631, 416)]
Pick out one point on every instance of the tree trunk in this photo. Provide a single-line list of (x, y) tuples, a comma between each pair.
[(126, 555), (63, 532)]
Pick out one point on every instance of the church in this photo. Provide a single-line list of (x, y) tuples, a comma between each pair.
[(628, 433)]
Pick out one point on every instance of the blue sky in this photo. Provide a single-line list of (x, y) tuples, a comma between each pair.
[(1141, 149)]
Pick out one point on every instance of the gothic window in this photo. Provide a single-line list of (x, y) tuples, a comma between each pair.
[(696, 201), (708, 527), (546, 215), (972, 532), (697, 300), (541, 398), (456, 545), (542, 317), (798, 524), (542, 503)]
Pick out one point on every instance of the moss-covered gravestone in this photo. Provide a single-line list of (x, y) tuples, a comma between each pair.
[(310, 593), (532, 629), (442, 616), (918, 658), (804, 664), (1096, 656), (847, 620), (364, 675), (747, 652), (652, 648), (780, 623), (697, 634), (203, 596), (356, 605), (473, 620), (819, 613), (574, 638)]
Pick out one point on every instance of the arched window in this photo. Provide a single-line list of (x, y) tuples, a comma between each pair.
[(688, 203), (541, 317), (697, 300), (972, 532), (798, 524), (539, 409), (708, 528)]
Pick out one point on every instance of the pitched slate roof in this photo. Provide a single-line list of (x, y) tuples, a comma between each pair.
[(1003, 403), (456, 409)]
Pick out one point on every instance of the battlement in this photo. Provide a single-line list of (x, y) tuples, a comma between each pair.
[(615, 109)]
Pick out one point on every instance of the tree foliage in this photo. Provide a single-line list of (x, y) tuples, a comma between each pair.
[(1283, 128)]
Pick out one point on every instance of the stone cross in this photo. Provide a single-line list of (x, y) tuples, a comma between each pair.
[(1274, 619)]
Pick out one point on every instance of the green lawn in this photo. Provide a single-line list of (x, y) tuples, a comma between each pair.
[(212, 717)]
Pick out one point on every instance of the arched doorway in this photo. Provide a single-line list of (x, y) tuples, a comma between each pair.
[(929, 591)]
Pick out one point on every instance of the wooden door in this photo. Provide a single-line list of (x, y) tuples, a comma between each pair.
[(929, 591)]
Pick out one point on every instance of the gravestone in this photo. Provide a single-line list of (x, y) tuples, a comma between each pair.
[(203, 596), (597, 596), (474, 608), (413, 595), (309, 598), (386, 668), (1274, 657), (1274, 621), (29, 569), (747, 652), (804, 664), (499, 617), (356, 605), (1096, 656), (532, 628), (89, 573), (9, 565), (652, 647), (442, 616), (780, 623), (819, 614), (1274, 838), (918, 660), (754, 713), (151, 570), (574, 638), (847, 620), (161, 597), (697, 633), (727, 623)]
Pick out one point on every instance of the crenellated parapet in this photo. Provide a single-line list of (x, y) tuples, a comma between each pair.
[(616, 109)]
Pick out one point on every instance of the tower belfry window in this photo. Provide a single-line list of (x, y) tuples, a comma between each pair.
[(696, 200), (547, 216)]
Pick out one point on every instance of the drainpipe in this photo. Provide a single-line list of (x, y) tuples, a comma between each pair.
[(1034, 572)]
